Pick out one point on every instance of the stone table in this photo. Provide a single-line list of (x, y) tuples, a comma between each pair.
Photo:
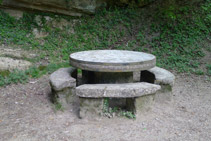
[(110, 66), (109, 73)]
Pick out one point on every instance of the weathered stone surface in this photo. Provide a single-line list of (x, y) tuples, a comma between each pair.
[(67, 7), (65, 97), (71, 7), (136, 76), (16, 53), (144, 104), (10, 64), (63, 86), (90, 107), (112, 60), (163, 76), (126, 90), (62, 79)]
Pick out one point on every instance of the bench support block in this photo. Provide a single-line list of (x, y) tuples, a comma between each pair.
[(91, 107), (144, 104), (63, 83)]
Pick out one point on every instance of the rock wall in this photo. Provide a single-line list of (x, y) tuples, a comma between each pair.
[(69, 7)]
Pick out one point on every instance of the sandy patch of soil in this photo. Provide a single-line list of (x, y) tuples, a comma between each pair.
[(27, 114)]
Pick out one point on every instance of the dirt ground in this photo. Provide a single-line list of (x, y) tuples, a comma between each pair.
[(27, 114)]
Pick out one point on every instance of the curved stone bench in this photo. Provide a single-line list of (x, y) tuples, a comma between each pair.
[(139, 96), (162, 77), (63, 83)]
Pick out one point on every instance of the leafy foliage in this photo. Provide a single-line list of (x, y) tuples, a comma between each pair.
[(18, 76), (174, 32), (208, 69)]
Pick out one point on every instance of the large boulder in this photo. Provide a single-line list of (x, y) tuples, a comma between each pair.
[(70, 7), (67, 7)]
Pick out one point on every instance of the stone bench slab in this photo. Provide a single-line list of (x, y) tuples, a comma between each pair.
[(126, 90), (163, 76), (62, 79)]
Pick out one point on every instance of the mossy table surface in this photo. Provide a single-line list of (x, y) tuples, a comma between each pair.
[(112, 60)]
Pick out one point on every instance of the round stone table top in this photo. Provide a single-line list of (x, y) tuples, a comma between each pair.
[(112, 60)]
